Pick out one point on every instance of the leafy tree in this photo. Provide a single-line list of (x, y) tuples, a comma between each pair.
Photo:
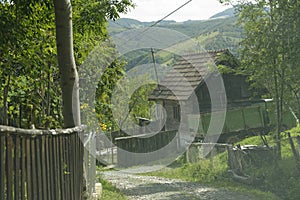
[(30, 92), (28, 66), (269, 51)]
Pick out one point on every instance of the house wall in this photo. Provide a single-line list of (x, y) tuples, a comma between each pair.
[(177, 113), (236, 88), (173, 114)]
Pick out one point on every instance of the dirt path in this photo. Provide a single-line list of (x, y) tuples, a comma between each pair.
[(155, 188)]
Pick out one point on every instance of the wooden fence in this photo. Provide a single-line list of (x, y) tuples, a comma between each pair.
[(197, 151), (132, 149), (41, 164)]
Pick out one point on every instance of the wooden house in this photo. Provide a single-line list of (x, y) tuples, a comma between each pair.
[(189, 76)]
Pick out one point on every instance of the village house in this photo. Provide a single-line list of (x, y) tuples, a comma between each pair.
[(189, 76)]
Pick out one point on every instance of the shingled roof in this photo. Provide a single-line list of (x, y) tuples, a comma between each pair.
[(185, 76)]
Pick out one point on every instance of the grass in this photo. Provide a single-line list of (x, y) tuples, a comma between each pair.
[(277, 180), (110, 192), (215, 177)]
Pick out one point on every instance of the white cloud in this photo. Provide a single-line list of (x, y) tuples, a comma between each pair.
[(153, 10)]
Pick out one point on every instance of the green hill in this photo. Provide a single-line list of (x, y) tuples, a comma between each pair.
[(230, 12), (219, 32)]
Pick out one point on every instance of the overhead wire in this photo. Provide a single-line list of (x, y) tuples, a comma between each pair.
[(150, 27), (157, 22), (171, 13)]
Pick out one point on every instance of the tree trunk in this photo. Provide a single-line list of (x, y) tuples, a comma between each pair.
[(67, 69), (278, 116), (66, 63)]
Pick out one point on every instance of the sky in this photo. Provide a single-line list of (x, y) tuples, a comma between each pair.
[(153, 10)]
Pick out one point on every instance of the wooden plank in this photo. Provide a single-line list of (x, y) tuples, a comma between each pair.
[(39, 177), (65, 183), (47, 167), (52, 168), (9, 167), (2, 167), (76, 166), (17, 184), (71, 157), (23, 169), (57, 168), (68, 158), (79, 160), (33, 169), (62, 166), (28, 169), (68, 152), (43, 168), (81, 164)]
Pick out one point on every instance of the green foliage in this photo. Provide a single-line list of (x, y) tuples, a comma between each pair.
[(104, 93), (139, 100), (269, 52), (29, 88), (227, 64), (130, 102), (270, 47), (28, 61)]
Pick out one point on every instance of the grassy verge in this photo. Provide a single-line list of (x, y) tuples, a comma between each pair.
[(277, 180), (110, 192)]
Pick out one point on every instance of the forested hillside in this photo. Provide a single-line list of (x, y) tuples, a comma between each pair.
[(219, 32)]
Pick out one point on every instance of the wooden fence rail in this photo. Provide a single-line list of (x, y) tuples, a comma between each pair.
[(41, 164)]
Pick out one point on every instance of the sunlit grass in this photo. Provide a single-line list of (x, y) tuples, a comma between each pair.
[(277, 180), (109, 192)]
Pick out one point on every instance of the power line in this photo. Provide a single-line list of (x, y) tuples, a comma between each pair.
[(121, 25), (157, 22), (171, 13)]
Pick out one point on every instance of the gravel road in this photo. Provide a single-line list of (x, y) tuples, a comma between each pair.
[(156, 188)]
